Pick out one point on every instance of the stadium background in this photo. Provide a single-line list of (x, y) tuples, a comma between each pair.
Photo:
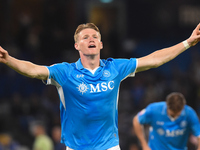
[(41, 31)]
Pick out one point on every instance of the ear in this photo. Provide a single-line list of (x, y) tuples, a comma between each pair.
[(101, 46), (76, 46)]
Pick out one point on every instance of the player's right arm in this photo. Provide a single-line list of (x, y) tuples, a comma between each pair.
[(25, 68), (139, 131)]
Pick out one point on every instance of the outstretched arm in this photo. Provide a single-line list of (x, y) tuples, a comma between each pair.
[(139, 131), (25, 68), (162, 56)]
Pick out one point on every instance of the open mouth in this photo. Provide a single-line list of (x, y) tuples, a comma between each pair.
[(91, 46)]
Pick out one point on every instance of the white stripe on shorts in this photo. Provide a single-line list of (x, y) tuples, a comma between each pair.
[(112, 148)]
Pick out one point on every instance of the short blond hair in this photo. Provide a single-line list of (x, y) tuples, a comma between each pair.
[(85, 26)]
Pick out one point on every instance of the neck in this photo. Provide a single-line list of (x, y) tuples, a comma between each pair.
[(90, 62)]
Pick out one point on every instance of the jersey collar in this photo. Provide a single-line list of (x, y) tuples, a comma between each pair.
[(80, 66)]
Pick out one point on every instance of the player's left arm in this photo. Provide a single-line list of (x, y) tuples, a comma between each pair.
[(162, 56)]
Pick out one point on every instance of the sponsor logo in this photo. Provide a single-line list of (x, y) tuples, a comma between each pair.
[(174, 133), (99, 87), (161, 131), (82, 88), (168, 133)]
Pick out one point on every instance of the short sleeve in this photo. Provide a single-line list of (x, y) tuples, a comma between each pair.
[(126, 67), (144, 116), (58, 73)]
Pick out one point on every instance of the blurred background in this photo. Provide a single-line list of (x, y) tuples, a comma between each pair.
[(41, 31)]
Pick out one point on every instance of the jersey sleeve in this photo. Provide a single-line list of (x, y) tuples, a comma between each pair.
[(144, 116), (194, 122), (57, 74), (126, 67)]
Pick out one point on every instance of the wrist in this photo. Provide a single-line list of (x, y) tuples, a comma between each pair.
[(8, 60), (186, 44)]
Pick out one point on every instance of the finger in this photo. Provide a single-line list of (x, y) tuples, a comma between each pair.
[(198, 27), (1, 55), (1, 49)]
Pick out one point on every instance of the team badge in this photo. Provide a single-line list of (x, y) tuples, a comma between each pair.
[(106, 73), (183, 124), (82, 88)]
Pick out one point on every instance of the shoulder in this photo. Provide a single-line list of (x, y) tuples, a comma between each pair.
[(189, 110), (61, 68), (120, 61), (157, 104), (62, 65), (156, 107), (151, 112)]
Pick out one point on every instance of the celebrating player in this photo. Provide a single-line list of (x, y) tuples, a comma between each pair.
[(171, 123), (89, 88)]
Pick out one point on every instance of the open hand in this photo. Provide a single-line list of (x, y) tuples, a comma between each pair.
[(3, 55), (195, 36)]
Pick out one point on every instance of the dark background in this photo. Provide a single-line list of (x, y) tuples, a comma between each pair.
[(41, 31)]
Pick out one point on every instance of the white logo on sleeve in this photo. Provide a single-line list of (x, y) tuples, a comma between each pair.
[(142, 112)]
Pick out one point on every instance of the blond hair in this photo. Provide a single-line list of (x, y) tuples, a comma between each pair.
[(85, 26)]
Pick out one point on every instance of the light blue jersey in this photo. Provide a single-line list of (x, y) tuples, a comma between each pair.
[(166, 133), (88, 102)]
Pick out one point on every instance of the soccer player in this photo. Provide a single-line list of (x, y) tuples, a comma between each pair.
[(171, 123), (89, 88)]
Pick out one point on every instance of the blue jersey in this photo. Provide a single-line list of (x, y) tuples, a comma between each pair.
[(88, 102), (167, 133)]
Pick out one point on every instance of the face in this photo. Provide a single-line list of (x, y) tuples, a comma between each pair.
[(89, 42), (173, 114)]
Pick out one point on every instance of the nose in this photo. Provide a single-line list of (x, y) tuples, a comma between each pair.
[(91, 39)]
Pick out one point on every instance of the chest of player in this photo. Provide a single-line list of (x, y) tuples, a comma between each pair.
[(171, 128), (88, 85)]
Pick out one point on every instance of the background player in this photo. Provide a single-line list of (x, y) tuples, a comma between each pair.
[(171, 123)]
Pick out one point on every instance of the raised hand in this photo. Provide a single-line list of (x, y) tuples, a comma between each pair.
[(3, 55), (195, 36)]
